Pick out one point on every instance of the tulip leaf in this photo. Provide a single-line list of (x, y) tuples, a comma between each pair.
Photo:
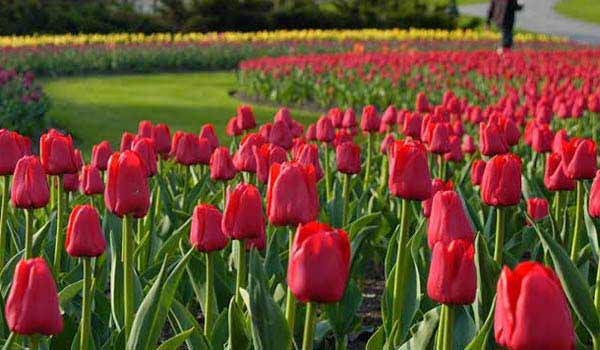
[(377, 340), (175, 341), (69, 292), (572, 282), (486, 279), (220, 333), (116, 279), (471, 213), (270, 330), (170, 245), (424, 333), (39, 237), (180, 319), (238, 338), (464, 328), (480, 340), (592, 232), (342, 315), (357, 225)]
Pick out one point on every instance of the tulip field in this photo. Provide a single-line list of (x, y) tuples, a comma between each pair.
[(444, 198)]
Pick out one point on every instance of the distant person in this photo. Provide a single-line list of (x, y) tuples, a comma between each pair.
[(502, 12)]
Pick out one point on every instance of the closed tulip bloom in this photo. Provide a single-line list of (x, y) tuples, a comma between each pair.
[(325, 130), (205, 150), (422, 104), (244, 159), (232, 128), (594, 203), (555, 178), (90, 181), (537, 208), (560, 136), (145, 148), (412, 125), (319, 251), (265, 130), (370, 120), (292, 196), (161, 135), (186, 148), (541, 138), (501, 182), (258, 243), (455, 154), (309, 155), (437, 185), (100, 154), (492, 140), (336, 116), (70, 182), (439, 141), (543, 112), (29, 189), (388, 119), (126, 191), (206, 234), (243, 216), (409, 176), (297, 129), (311, 132), (477, 169), (468, 145), (531, 310), (221, 165), (448, 220), (245, 118), (84, 234), (342, 136), (13, 148), (126, 140), (56, 153), (348, 158), (281, 135), (579, 157), (511, 131), (349, 119), (386, 142), (284, 115), (32, 304), (208, 132), (267, 155), (79, 162), (593, 103), (145, 128), (452, 278)]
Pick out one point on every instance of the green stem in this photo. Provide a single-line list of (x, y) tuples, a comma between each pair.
[(240, 281), (577, 226), (34, 343), (341, 343), (440, 167), (224, 185), (368, 163), (499, 244), (186, 180), (346, 198), (597, 290), (290, 304), (208, 315), (3, 211), (309, 326), (399, 272), (327, 174), (439, 339), (596, 341), (384, 173), (8, 345), (127, 275), (448, 326), (28, 233), (86, 312), (58, 245)]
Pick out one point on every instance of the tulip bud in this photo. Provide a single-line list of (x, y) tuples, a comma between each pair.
[(448, 220), (208, 132), (221, 165), (84, 234), (265, 130), (455, 154), (32, 304), (243, 216), (452, 278), (349, 119), (421, 103), (90, 181), (126, 140), (409, 171), (385, 144), (492, 140), (29, 189), (541, 138), (56, 153), (145, 128), (436, 186), (127, 190), (510, 129), (232, 128), (292, 194), (319, 250), (325, 130), (284, 115), (501, 182), (265, 156), (186, 148), (280, 135), (412, 125), (531, 310), (468, 145), (79, 162), (70, 182), (311, 132), (348, 158), (370, 120), (245, 118), (337, 117), (244, 159), (100, 154), (13, 147), (555, 178), (439, 140), (537, 208), (205, 232), (309, 155), (477, 169), (145, 148), (594, 203), (388, 119), (579, 157), (560, 136), (161, 135)]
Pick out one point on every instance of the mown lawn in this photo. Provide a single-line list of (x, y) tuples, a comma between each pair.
[(469, 2), (98, 108), (585, 10)]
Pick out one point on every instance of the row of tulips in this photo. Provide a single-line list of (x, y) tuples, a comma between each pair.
[(326, 225)]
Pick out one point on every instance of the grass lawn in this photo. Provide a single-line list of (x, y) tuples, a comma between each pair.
[(585, 10), (469, 2), (98, 108)]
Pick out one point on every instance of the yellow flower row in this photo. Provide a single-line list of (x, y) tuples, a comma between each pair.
[(268, 36)]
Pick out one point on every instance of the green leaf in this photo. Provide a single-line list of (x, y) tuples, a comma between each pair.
[(573, 283), (487, 273), (238, 339), (425, 331), (377, 340), (170, 245), (69, 292), (175, 341), (592, 232), (220, 333), (116, 279), (479, 342), (464, 328), (181, 319), (342, 315)]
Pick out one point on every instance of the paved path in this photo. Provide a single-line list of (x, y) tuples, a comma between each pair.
[(539, 16)]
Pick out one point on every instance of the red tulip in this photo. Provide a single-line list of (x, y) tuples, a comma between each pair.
[(311, 132), (206, 234), (579, 157), (448, 220), (79, 162), (221, 165), (452, 278), (468, 145), (541, 138), (126, 140), (265, 130), (56, 153), (145, 128), (531, 310), (348, 158), (412, 125), (161, 135), (349, 119), (70, 182), (385, 144), (594, 203), (439, 137), (388, 119), (84, 234), (492, 140), (186, 148), (477, 169), (244, 159), (90, 181), (232, 128), (510, 129), (280, 135), (258, 243), (32, 304), (319, 251), (455, 154), (501, 182), (13, 147), (555, 178), (309, 155), (409, 171), (205, 150), (537, 208), (265, 156), (126, 191), (325, 130), (208, 132), (437, 185), (284, 115), (370, 120), (145, 148), (292, 194), (337, 117), (243, 216), (29, 189), (421, 103), (560, 136), (245, 118)]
